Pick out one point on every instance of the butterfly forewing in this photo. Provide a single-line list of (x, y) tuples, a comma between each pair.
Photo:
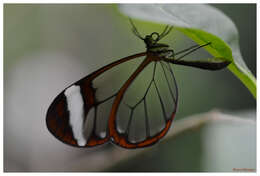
[(79, 115)]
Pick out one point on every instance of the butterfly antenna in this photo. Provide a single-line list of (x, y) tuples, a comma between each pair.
[(165, 32), (134, 29)]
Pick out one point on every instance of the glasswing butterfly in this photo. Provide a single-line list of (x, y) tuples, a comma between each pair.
[(74, 117)]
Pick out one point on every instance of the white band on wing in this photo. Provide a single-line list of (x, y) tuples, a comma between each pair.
[(76, 110)]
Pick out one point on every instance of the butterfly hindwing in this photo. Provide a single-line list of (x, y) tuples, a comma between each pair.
[(145, 106)]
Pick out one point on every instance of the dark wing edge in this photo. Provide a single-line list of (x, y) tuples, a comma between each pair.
[(214, 63), (210, 64)]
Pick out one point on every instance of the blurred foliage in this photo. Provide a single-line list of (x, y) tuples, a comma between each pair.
[(184, 158), (207, 145)]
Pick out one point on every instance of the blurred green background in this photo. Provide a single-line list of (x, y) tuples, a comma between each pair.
[(48, 47)]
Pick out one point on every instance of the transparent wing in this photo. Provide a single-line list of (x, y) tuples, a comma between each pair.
[(145, 107), (78, 116)]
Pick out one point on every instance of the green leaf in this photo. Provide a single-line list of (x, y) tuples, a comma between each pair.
[(201, 23)]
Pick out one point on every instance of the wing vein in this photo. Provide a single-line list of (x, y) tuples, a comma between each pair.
[(175, 83), (168, 83), (161, 102), (147, 125), (129, 121)]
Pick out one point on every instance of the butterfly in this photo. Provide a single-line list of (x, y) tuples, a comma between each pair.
[(141, 120)]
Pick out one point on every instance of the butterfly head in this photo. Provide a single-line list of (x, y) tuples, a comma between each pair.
[(151, 41), (152, 45)]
